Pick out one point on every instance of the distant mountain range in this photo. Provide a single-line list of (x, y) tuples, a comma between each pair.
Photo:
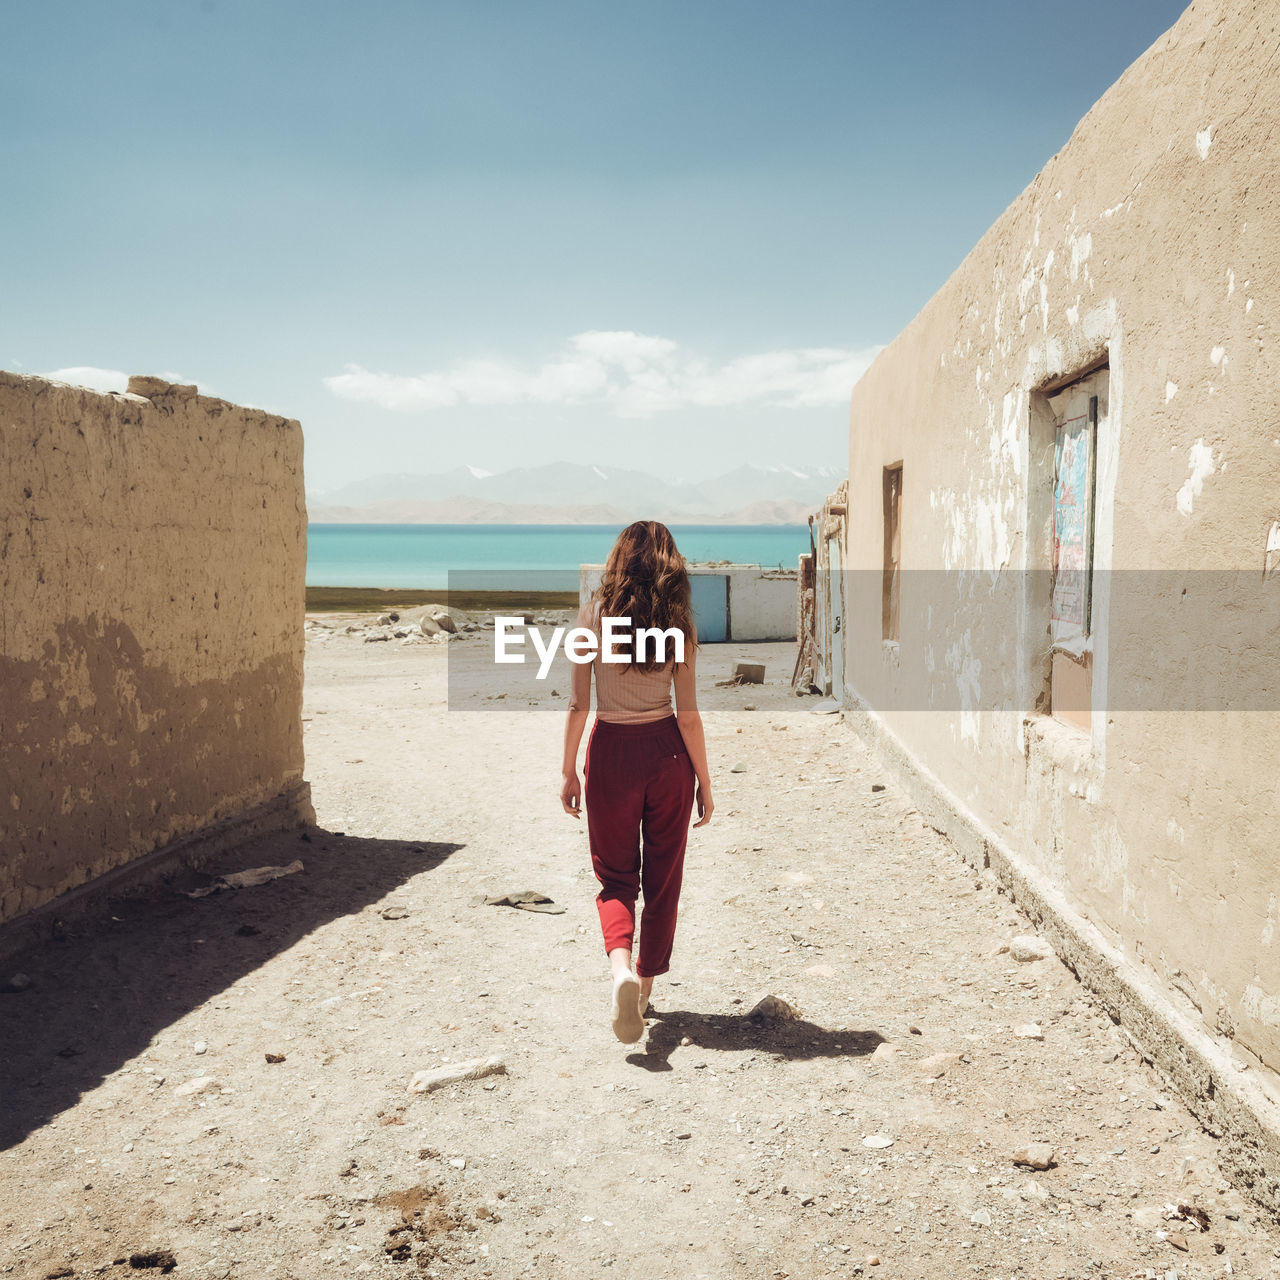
[(576, 493)]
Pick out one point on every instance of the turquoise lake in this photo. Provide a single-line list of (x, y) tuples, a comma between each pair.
[(499, 556)]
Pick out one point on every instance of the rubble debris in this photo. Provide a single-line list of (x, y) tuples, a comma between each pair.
[(472, 1069), (394, 913), (773, 1009), (523, 900), (1035, 1155), (1029, 1031), (201, 1084), (247, 879), (877, 1141), (1193, 1213), (153, 1259), (19, 982), (274, 1057), (1029, 948)]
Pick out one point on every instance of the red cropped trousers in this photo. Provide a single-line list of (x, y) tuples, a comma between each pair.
[(639, 796)]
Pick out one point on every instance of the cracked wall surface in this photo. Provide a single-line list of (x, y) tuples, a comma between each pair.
[(152, 561), (1150, 242)]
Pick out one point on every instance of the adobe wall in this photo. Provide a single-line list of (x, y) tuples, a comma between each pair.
[(152, 558), (1150, 242)]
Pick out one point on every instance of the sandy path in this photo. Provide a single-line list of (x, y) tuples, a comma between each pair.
[(720, 1149)]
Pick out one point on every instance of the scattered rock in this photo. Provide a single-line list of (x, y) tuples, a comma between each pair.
[(1035, 1155), (201, 1084), (806, 1200), (1028, 948), (275, 1057), (523, 899), (472, 1069), (444, 622), (376, 636), (153, 1260), (1029, 1031), (938, 1064), (773, 1009), (1179, 1241), (877, 1140), (1193, 1213), (877, 787), (884, 1050), (738, 768), (915, 1031), (199, 1047), (873, 1260), (394, 913), (19, 982), (981, 1218)]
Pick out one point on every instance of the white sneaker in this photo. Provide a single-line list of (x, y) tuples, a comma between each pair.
[(628, 1025)]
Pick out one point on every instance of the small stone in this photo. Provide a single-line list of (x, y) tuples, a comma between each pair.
[(773, 1009), (877, 1140), (915, 1031), (683, 1137), (981, 1218), (1029, 1031), (1179, 1241), (873, 1260), (275, 1057), (937, 1064), (201, 1084), (1028, 948), (199, 1047), (394, 913), (19, 982), (1035, 1155), (806, 1200), (738, 768), (877, 787), (458, 1162), (884, 1050)]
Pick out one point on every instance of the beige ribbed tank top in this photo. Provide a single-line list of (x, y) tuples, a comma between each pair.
[(627, 694)]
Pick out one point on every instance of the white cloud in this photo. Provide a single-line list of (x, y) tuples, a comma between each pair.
[(85, 375), (637, 375)]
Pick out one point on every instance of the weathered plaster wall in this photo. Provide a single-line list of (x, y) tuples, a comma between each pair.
[(152, 559), (1152, 239)]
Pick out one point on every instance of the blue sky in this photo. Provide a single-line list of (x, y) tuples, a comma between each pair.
[(665, 235)]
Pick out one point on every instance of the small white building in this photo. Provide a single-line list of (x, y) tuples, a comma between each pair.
[(730, 601)]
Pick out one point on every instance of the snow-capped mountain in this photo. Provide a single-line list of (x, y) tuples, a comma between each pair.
[(563, 492)]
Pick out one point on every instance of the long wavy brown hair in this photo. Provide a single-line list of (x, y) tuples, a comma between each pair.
[(646, 579)]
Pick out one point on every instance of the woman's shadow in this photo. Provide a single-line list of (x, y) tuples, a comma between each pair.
[(786, 1037)]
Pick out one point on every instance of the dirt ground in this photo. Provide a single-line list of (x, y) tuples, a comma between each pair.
[(145, 1128)]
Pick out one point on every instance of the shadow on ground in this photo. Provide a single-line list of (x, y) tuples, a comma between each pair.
[(102, 991), (792, 1039)]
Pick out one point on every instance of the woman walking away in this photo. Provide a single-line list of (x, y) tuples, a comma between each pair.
[(645, 764)]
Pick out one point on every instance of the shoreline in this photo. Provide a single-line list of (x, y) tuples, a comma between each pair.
[(382, 599)]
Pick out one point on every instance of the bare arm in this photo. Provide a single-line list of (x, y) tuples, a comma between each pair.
[(574, 723), (689, 720)]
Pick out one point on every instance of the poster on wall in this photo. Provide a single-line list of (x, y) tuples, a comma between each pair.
[(1072, 495)]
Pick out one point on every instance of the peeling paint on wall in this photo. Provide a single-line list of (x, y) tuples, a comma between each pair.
[(1200, 460)]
